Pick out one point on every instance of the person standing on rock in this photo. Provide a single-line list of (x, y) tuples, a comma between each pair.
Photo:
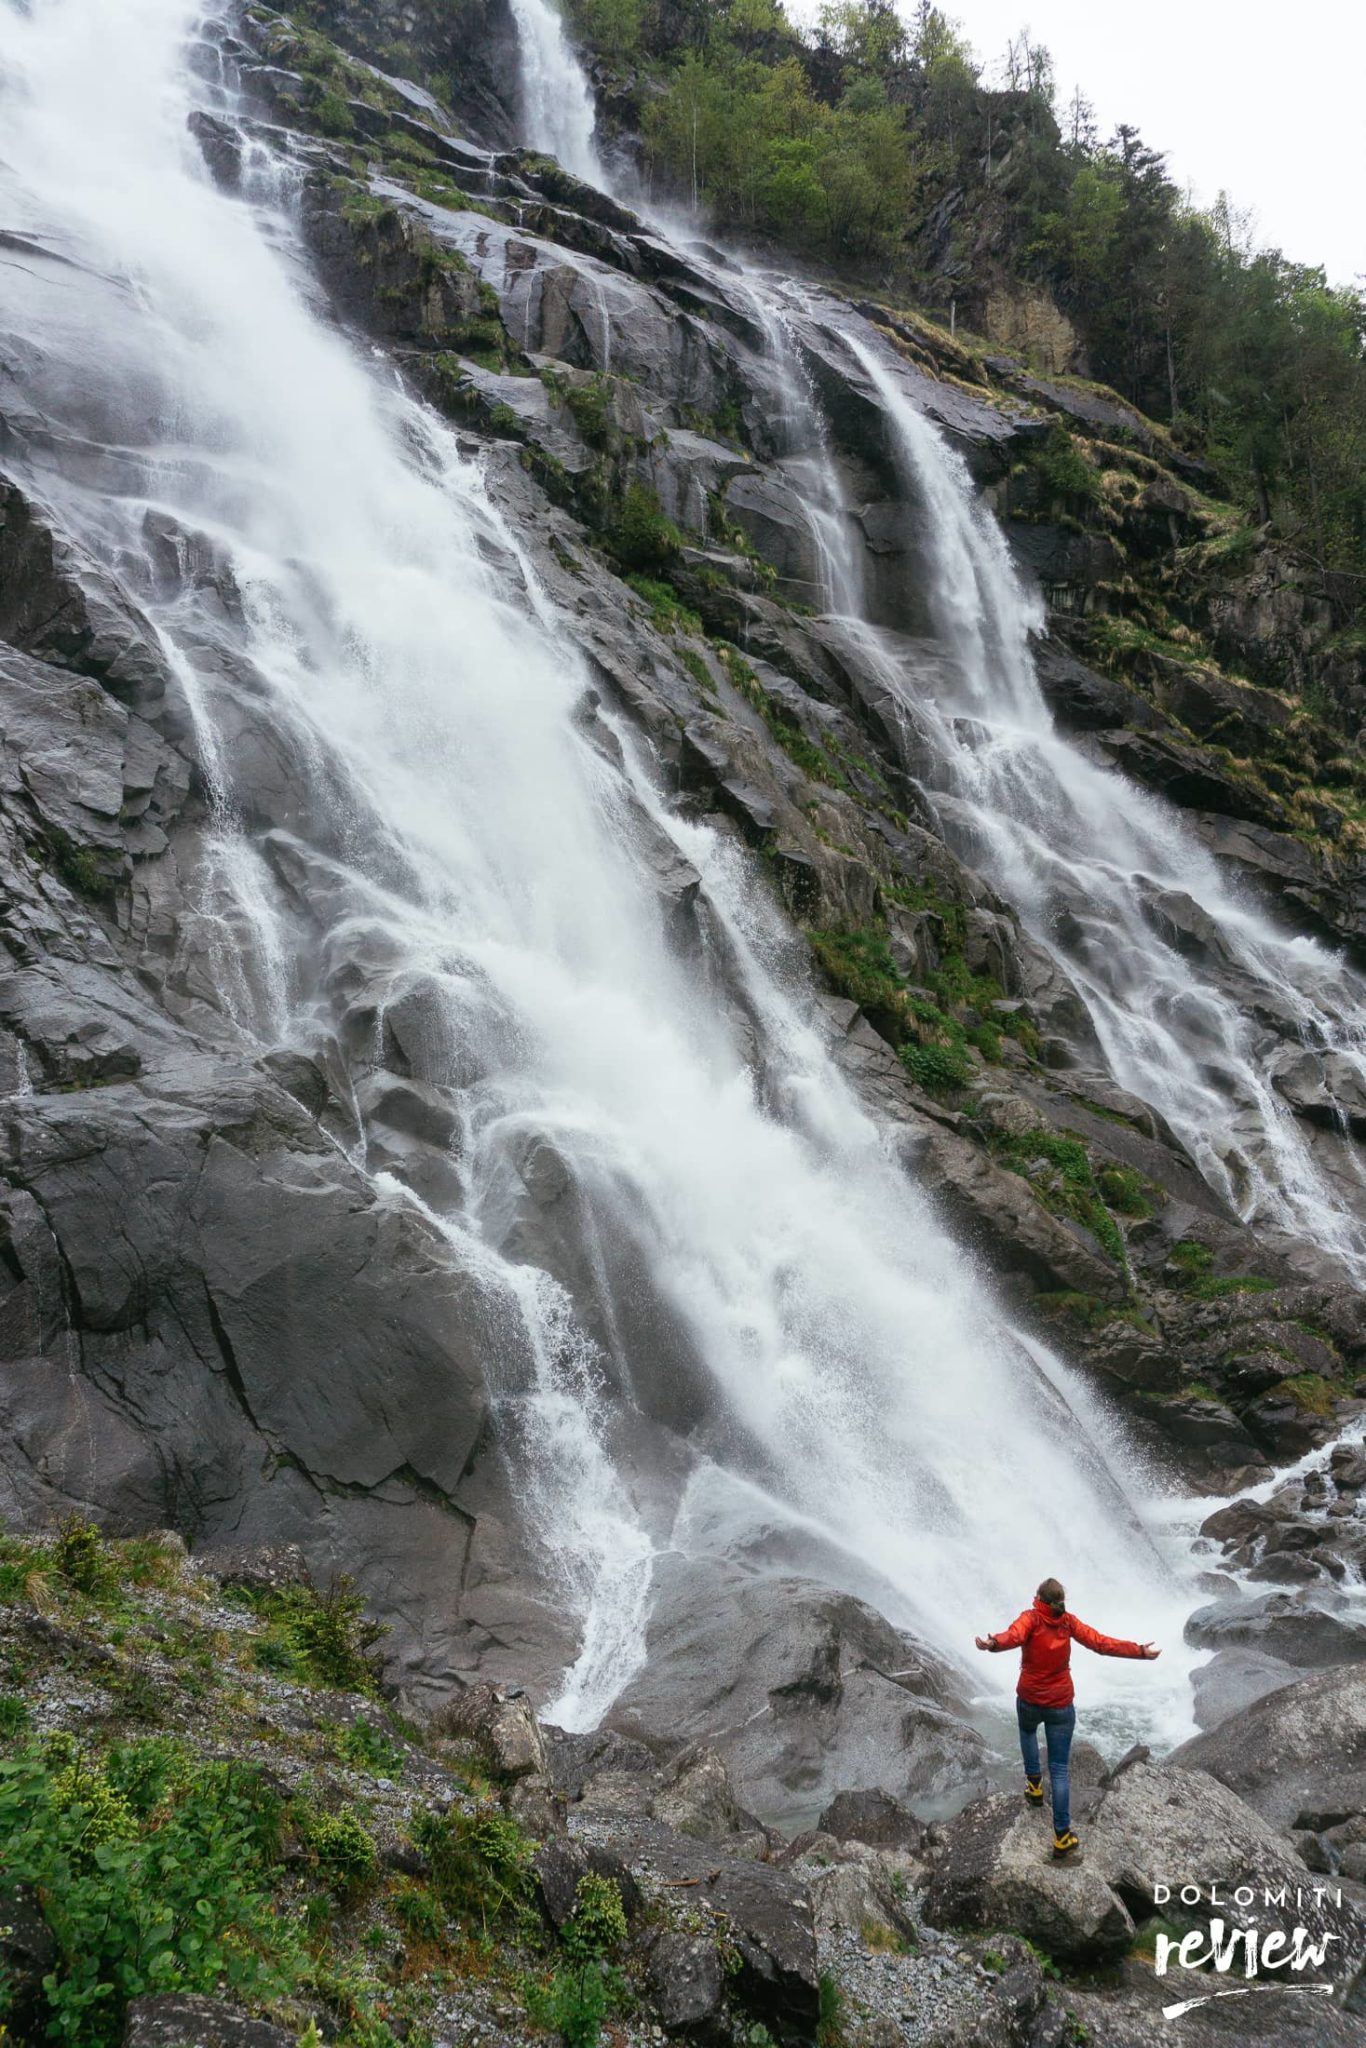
[(1045, 1633)]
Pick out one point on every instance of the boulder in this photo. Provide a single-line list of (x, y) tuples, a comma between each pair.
[(181, 2020), (857, 1898), (1150, 1827), (503, 1724), (994, 1871), (1296, 1627), (768, 1919), (872, 1817), (789, 1682), (1298, 1755), (28, 1951), (697, 1798), (558, 1866), (687, 1980)]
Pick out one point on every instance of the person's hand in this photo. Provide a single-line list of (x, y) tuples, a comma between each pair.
[(984, 1643), (1151, 1652)]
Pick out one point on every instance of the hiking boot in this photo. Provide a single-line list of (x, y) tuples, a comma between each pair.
[(1033, 1791), (1065, 1846)]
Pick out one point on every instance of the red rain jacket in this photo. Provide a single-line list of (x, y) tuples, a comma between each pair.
[(1046, 1638)]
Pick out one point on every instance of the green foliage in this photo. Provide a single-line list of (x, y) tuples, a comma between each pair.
[(1195, 1262), (667, 609), (813, 759), (638, 535), (1122, 1189), (936, 1068), (1065, 475), (419, 1914), (14, 1716), (343, 1849), (80, 1556), (847, 135), (590, 407), (332, 115), (598, 1922), (321, 1638), (830, 2029), (172, 1900), (1058, 1168), (370, 1749), (78, 866), (859, 962), (574, 2003), (480, 1864)]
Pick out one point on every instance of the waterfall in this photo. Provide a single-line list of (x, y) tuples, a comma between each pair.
[(1079, 850), (864, 1398), (557, 101), (799, 429)]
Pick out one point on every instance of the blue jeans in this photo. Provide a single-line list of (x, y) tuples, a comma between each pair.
[(1058, 1726)]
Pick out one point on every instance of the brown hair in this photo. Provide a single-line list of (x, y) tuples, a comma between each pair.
[(1052, 1595)]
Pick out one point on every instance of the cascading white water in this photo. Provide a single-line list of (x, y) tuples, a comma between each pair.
[(557, 101), (865, 1400), (1075, 846), (798, 427)]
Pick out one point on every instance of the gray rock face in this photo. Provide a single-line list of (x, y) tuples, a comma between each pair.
[(793, 1686), (872, 1818), (212, 1316), (1298, 1755), (1297, 1629), (1147, 1827), (181, 2020), (685, 1975)]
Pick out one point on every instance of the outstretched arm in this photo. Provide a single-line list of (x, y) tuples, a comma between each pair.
[(1009, 1638), (1110, 1646)]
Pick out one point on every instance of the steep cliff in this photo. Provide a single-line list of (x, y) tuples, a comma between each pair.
[(224, 1313)]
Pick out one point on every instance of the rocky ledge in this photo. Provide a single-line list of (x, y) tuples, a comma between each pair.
[(220, 1832)]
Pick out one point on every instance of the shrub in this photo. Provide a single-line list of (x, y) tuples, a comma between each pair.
[(80, 1557), (598, 1921), (322, 1638), (830, 2013), (1121, 1189), (639, 536), (13, 1715), (935, 1067), (419, 1914), (174, 1903), (859, 963), (480, 1863), (370, 1749), (1061, 467), (343, 1849), (332, 114)]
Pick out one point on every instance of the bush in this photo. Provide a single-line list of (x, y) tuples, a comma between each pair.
[(859, 963), (640, 537), (598, 1921), (13, 1715), (332, 114), (343, 1849), (419, 1914), (321, 1638), (176, 1901), (480, 1864), (370, 1749), (80, 1557), (936, 1067), (1062, 469)]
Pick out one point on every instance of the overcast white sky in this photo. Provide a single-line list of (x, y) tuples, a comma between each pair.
[(1267, 101)]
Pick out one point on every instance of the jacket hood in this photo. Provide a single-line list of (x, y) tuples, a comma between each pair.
[(1049, 1613)]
